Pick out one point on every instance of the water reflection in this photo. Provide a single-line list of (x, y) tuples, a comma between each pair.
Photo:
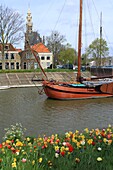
[(80, 114), (45, 116)]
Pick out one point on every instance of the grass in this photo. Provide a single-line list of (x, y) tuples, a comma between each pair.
[(90, 149), (37, 70)]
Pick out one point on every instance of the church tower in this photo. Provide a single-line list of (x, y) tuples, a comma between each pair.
[(31, 36), (29, 24)]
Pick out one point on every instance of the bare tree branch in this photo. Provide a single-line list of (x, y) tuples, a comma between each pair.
[(55, 43), (11, 26)]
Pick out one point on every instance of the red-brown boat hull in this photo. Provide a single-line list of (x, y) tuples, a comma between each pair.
[(57, 91)]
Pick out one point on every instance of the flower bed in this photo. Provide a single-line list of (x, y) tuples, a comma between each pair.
[(91, 150)]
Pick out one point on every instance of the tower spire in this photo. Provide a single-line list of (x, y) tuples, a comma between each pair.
[(29, 24), (30, 36)]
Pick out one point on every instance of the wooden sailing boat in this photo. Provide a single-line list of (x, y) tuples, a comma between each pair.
[(80, 90)]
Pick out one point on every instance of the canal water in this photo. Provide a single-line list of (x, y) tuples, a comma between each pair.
[(40, 115)]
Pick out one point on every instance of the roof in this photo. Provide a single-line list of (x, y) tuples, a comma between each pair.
[(11, 48), (19, 50), (40, 48)]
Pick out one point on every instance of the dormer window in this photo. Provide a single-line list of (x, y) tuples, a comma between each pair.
[(6, 47)]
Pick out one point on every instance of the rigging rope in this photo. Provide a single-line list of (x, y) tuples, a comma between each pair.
[(45, 13), (40, 89), (99, 17), (60, 14), (111, 3), (90, 17), (85, 23)]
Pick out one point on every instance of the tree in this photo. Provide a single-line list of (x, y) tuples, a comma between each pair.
[(11, 27), (54, 43), (98, 50), (84, 59), (68, 55)]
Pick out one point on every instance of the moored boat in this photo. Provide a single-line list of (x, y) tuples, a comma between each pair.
[(76, 91), (81, 89)]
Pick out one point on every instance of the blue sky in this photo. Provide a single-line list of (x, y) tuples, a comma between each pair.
[(62, 15)]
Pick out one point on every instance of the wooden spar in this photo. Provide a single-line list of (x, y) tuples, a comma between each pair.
[(79, 43), (101, 77), (33, 52)]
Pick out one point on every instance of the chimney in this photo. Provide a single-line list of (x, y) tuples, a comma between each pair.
[(43, 40)]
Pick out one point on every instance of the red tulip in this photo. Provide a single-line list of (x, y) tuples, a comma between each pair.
[(93, 143), (0, 145), (9, 146), (71, 148), (62, 153)]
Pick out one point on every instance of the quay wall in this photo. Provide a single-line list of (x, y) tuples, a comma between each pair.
[(106, 71), (25, 79)]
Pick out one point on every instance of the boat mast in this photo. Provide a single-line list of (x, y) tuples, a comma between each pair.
[(80, 43), (100, 62)]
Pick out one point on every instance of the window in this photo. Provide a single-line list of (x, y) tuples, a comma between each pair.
[(0, 56), (24, 65), (35, 65), (12, 56), (17, 66), (6, 56), (48, 57), (42, 58), (0, 66), (29, 65), (12, 66), (48, 64), (6, 65), (27, 55)]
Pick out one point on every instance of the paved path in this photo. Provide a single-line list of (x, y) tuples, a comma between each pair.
[(8, 80)]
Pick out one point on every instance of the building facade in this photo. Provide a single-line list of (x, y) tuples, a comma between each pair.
[(11, 59), (14, 59), (45, 56), (28, 60), (33, 41)]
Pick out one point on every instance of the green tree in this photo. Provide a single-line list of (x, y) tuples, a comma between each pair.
[(11, 28), (55, 43), (98, 51), (68, 55), (84, 59)]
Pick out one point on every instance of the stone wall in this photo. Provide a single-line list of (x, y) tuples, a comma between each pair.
[(101, 71), (25, 79)]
